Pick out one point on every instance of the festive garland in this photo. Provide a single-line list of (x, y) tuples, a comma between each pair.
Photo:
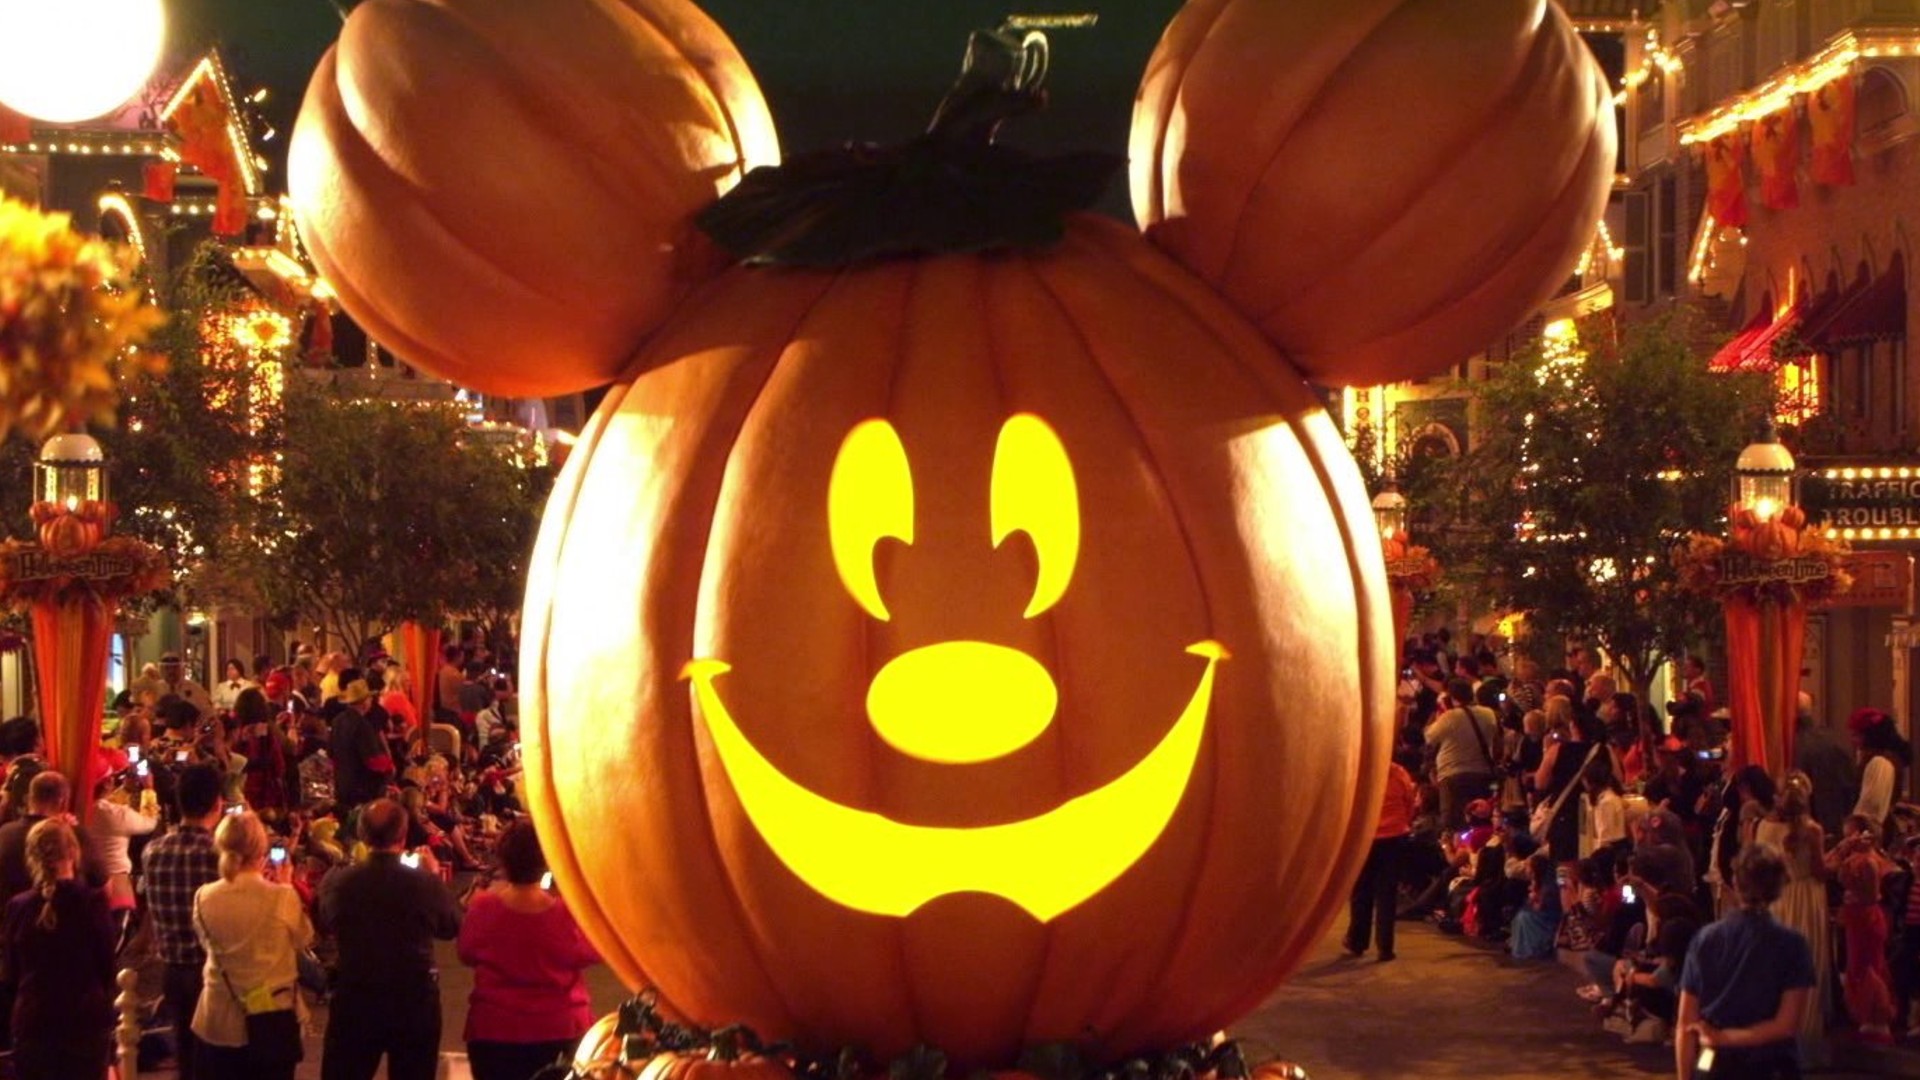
[(30, 575), (1410, 566), (1774, 561), (640, 1033)]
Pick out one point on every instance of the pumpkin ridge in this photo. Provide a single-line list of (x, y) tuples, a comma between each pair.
[(727, 871), (1353, 851), (544, 792), (1170, 950), (1460, 159), (1400, 209), (1312, 104), (1569, 192), (703, 67), (1156, 195), (539, 106)]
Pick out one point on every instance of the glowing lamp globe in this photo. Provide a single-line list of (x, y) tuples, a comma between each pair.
[(64, 61)]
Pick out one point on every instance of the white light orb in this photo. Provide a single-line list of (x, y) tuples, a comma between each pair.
[(64, 61)]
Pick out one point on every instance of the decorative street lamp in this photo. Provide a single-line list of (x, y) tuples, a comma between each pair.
[(1390, 511), (64, 61), (70, 505), (1763, 477)]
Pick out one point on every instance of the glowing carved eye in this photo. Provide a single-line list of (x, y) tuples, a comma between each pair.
[(869, 497), (1034, 493)]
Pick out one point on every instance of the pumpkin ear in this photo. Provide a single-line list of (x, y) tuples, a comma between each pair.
[(502, 192), (1383, 186)]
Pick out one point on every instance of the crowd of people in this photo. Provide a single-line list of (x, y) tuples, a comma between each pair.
[(1742, 916), (285, 840)]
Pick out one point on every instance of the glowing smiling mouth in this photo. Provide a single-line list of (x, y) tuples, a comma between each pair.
[(1045, 864)]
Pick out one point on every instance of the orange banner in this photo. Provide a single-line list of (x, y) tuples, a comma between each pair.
[(71, 639), (1830, 113), (1765, 643), (420, 655), (1727, 181), (1776, 157)]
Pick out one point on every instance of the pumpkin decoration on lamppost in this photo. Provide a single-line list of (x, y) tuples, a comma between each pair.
[(957, 576), (71, 583), (1411, 569), (1764, 573)]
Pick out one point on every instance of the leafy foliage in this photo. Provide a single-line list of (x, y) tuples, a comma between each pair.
[(1585, 473), (383, 511)]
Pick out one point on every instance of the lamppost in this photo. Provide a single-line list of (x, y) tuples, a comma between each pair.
[(1763, 477), (1409, 568), (71, 582), (64, 61), (1765, 572)]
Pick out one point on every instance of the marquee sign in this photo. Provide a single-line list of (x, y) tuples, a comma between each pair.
[(1864, 502)]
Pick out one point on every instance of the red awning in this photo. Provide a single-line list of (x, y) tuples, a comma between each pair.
[(1875, 312), (1752, 348)]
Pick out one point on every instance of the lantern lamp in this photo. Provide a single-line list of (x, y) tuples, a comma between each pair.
[(64, 61), (1763, 477), (72, 470), (1390, 511)]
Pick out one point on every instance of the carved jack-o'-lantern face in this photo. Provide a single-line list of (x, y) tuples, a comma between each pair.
[(959, 702)]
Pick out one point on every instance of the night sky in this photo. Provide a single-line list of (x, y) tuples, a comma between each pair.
[(834, 70)]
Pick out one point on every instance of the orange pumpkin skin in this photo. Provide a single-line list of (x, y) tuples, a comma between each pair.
[(501, 192), (1382, 186), (1217, 502)]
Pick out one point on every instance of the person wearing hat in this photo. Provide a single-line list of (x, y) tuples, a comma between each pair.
[(176, 681), (362, 766)]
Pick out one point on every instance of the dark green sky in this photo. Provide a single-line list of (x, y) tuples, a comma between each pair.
[(833, 69)]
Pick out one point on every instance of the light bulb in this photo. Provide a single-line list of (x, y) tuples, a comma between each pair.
[(64, 61)]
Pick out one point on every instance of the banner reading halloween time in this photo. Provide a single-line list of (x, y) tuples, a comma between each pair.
[(1776, 156), (1830, 113), (1727, 181)]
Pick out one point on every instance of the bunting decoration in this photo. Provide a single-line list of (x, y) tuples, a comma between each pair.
[(1727, 182), (1830, 113), (158, 179), (1776, 156)]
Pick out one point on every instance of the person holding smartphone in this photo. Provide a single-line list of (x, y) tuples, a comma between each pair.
[(252, 926), (529, 1002)]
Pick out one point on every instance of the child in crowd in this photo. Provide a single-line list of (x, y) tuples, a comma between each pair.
[(1537, 925), (1858, 864)]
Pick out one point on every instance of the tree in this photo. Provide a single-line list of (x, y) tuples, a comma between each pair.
[(1585, 472), (382, 511)]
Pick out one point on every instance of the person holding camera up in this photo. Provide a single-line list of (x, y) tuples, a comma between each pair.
[(385, 913)]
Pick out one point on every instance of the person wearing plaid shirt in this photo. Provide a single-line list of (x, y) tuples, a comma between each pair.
[(174, 867)]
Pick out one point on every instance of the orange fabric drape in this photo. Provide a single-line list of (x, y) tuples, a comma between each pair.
[(1764, 646), (1402, 616), (420, 654), (1776, 156), (159, 179), (1830, 114), (14, 127), (71, 640), (1727, 181)]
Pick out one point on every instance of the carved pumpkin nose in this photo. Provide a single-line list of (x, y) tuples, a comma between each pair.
[(959, 702)]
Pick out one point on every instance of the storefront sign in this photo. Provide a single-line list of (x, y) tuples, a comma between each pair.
[(1864, 502), (1880, 579), (1737, 568)]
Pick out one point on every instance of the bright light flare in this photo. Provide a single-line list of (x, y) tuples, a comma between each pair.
[(64, 61)]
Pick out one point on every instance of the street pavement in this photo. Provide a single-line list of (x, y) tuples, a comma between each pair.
[(1447, 1008)]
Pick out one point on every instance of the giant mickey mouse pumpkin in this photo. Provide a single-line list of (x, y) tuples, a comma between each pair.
[(965, 648)]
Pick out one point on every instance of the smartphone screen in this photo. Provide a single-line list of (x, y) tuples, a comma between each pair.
[(410, 859), (181, 756), (140, 769), (133, 755), (546, 881), (1626, 894), (277, 854)]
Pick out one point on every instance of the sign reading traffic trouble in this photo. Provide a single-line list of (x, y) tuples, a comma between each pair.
[(1864, 502)]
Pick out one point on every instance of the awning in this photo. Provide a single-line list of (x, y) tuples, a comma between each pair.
[(1752, 348), (1875, 312)]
